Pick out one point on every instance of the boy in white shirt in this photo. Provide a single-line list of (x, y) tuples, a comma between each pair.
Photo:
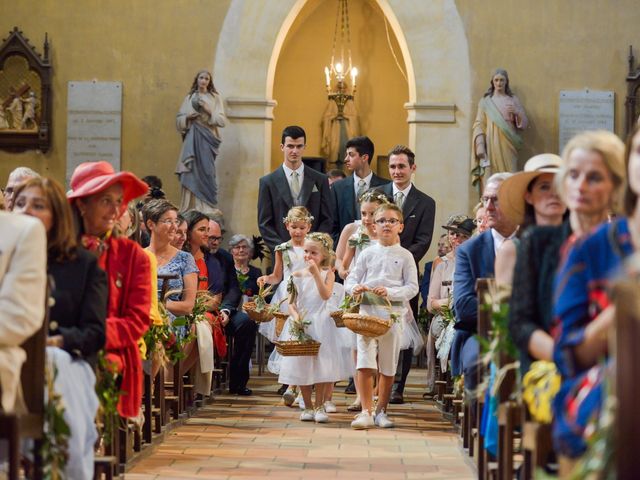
[(386, 270)]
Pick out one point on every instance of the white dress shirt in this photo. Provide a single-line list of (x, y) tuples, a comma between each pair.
[(498, 239), (356, 181), (405, 192)]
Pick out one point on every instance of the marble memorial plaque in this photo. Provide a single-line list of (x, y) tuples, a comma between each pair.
[(94, 120), (584, 110)]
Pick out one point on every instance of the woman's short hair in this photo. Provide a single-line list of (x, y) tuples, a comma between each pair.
[(238, 238), (154, 209), (611, 150), (61, 238)]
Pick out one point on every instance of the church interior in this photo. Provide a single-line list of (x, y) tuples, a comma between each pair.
[(423, 68)]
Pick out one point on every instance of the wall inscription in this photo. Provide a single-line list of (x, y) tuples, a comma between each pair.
[(94, 122), (584, 110)]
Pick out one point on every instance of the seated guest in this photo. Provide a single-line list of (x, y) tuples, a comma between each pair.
[(480, 216), (181, 233), (594, 175), (77, 316), (335, 175), (528, 198), (161, 219), (223, 279), (475, 259), (23, 277), (16, 177), (460, 228), (98, 197), (443, 248), (241, 248)]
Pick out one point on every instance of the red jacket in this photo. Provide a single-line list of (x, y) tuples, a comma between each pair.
[(129, 276)]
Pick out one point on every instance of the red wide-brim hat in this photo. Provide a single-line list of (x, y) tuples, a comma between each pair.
[(90, 178)]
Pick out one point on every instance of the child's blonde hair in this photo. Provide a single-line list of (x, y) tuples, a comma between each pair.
[(374, 195), (325, 241), (390, 206), (298, 214)]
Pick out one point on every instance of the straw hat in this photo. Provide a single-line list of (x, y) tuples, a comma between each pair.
[(93, 177), (460, 224), (512, 190)]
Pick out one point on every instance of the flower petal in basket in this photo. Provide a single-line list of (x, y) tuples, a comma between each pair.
[(295, 348), (260, 317), (366, 325)]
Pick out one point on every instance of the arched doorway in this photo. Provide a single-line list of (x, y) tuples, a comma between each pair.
[(434, 47)]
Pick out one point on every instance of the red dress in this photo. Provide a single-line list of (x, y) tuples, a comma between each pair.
[(219, 339)]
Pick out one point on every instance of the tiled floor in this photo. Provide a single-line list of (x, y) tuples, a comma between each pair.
[(257, 437)]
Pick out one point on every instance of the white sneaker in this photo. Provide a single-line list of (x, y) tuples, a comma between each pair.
[(321, 416), (289, 397), (363, 421), (330, 407), (307, 416), (300, 401), (383, 421)]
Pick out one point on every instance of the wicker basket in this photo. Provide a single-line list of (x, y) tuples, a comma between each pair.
[(281, 318), (337, 317), (366, 325), (260, 317), (294, 348)]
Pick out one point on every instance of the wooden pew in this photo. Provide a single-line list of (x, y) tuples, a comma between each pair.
[(484, 325), (14, 427), (626, 385)]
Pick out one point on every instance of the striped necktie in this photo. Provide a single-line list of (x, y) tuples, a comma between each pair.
[(399, 199)]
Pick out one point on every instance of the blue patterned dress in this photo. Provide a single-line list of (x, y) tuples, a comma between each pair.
[(181, 264), (581, 289)]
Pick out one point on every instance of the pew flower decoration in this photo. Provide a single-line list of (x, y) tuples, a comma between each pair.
[(499, 342), (285, 249), (55, 444), (108, 394)]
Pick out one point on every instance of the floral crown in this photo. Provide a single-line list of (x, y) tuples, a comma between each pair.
[(374, 196), (298, 218), (322, 238)]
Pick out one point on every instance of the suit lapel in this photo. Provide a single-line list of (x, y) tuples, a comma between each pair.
[(280, 180), (307, 186), (488, 255), (377, 181), (349, 197), (410, 202)]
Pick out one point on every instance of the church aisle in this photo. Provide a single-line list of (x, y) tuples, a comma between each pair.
[(257, 437)]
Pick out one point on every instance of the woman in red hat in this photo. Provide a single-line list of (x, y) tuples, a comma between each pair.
[(99, 196)]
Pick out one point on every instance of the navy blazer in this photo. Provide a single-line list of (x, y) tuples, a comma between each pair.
[(345, 202), (275, 200), (474, 259), (78, 314), (419, 211), (231, 293)]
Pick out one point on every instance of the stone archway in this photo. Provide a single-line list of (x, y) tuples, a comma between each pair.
[(433, 42)]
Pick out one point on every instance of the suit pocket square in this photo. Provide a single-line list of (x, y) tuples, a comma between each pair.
[(412, 216), (315, 189)]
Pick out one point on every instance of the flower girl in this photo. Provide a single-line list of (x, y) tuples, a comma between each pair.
[(310, 304)]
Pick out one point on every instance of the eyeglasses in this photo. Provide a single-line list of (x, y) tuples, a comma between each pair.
[(215, 239), (388, 221), (240, 247), (168, 222), (487, 200)]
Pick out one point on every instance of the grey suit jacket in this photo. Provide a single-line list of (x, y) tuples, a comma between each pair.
[(419, 211), (275, 200), (345, 204)]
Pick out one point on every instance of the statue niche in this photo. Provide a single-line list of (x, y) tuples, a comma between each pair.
[(25, 94)]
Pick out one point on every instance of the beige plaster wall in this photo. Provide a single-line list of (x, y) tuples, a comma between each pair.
[(548, 46), (299, 78), (153, 47)]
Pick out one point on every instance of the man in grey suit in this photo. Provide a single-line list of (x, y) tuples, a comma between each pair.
[(347, 190), (293, 184), (419, 211)]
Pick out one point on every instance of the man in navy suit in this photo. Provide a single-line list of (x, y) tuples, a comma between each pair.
[(419, 211), (289, 185), (475, 259), (347, 190)]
